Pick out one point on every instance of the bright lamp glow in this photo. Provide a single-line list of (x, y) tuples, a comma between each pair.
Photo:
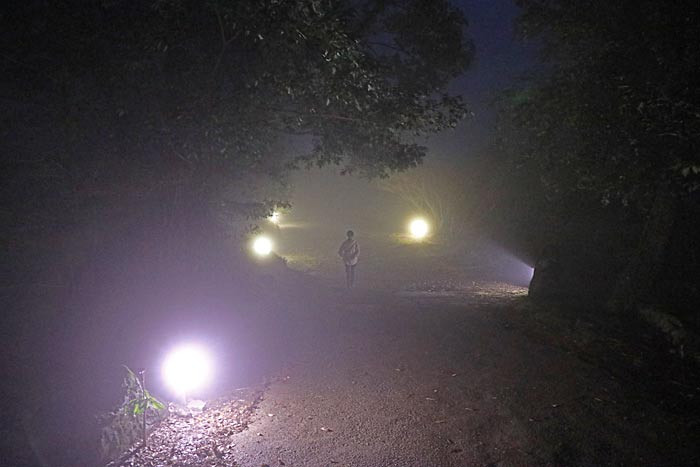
[(274, 217), (186, 369), (262, 246), (419, 228)]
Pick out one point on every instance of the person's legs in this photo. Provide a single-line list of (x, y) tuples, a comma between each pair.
[(352, 275), (348, 274)]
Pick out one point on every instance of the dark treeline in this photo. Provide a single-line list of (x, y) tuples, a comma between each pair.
[(599, 151)]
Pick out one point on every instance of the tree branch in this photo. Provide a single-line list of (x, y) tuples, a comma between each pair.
[(330, 116)]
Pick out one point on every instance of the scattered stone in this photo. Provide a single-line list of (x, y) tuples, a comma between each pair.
[(201, 438), (196, 405)]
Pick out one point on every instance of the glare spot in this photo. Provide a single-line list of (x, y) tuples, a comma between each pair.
[(186, 369), (262, 246), (274, 217), (419, 228)]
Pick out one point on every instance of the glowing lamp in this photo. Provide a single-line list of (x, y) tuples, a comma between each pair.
[(419, 228), (187, 369), (274, 217), (262, 246)]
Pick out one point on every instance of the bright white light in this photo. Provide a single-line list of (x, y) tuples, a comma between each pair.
[(262, 246), (186, 369), (419, 228), (274, 217)]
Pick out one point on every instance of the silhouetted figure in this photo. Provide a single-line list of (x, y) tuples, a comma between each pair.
[(350, 252), (546, 278)]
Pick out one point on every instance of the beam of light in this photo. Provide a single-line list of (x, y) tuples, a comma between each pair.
[(520, 273), (513, 269), (419, 228), (274, 217), (262, 246), (187, 369)]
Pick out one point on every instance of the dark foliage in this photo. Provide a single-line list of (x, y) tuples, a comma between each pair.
[(606, 137), (137, 105)]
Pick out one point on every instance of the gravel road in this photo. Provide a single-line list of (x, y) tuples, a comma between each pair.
[(378, 379)]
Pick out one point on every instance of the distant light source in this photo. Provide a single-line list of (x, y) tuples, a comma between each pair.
[(186, 369), (274, 217), (419, 228), (262, 246)]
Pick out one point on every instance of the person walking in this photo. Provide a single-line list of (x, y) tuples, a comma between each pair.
[(350, 252)]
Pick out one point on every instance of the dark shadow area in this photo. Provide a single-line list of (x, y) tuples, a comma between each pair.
[(66, 364)]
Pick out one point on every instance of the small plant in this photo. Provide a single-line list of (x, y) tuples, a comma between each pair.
[(143, 399), (128, 422)]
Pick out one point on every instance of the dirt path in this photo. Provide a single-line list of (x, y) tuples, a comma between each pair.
[(384, 380), (431, 363)]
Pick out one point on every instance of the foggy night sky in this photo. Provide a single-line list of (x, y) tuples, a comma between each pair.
[(500, 59)]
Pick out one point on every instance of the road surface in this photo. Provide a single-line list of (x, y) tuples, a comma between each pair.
[(413, 380)]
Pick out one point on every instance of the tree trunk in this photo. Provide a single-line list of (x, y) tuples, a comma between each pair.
[(637, 281)]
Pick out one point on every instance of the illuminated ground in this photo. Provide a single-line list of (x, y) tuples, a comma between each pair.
[(395, 382), (379, 379), (431, 367)]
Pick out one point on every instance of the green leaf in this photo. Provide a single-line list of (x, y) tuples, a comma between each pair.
[(156, 404)]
